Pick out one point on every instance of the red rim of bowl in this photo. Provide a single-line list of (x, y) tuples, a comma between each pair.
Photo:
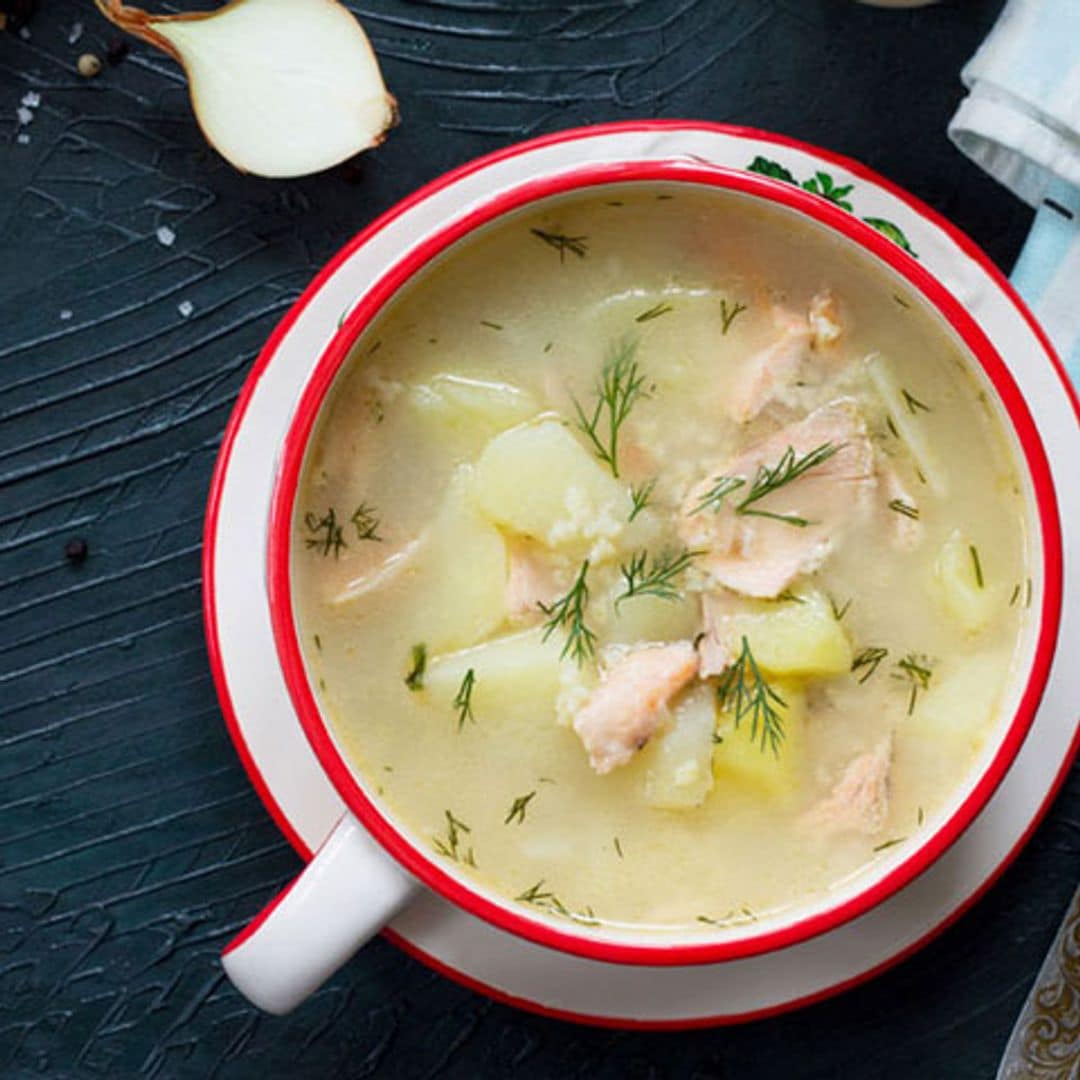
[(285, 632)]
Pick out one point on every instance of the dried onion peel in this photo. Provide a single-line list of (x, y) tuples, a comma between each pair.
[(279, 87)]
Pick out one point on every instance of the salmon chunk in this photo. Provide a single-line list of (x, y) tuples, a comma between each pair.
[(772, 370), (860, 801), (531, 580), (624, 711), (759, 549), (715, 654)]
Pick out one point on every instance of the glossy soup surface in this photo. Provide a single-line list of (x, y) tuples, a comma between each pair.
[(780, 671)]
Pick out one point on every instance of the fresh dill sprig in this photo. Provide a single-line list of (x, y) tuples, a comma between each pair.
[(916, 671), (463, 699), (415, 678), (913, 403), (901, 507), (366, 522), (977, 565), (517, 809), (654, 312), (451, 846), (620, 386), (569, 612), (729, 314), (714, 497), (576, 245), (657, 578), (640, 497), (743, 689), (325, 533), (790, 467), (867, 661), (542, 898)]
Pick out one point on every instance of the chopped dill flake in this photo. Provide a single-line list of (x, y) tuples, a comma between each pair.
[(901, 507), (913, 403), (890, 843), (790, 467), (743, 689), (322, 684), (415, 679), (463, 699), (549, 346), (618, 848), (729, 314), (867, 661), (839, 611), (542, 898), (620, 386), (916, 671), (517, 809), (545, 780), (1015, 595), (639, 497), (714, 497), (790, 597), (576, 245), (654, 312), (707, 921), (901, 301), (1027, 600), (718, 740), (976, 565), (318, 643), (375, 348), (655, 579), (491, 325), (325, 533), (366, 523), (922, 816), (891, 425), (451, 846), (569, 612)]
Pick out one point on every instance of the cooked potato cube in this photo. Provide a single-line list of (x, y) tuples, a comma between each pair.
[(538, 480), (648, 618), (789, 637), (963, 591), (678, 772), (512, 673), (948, 724), (472, 409), (739, 758), (457, 595)]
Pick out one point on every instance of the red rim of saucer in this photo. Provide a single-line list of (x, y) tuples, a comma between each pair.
[(267, 355), (420, 863)]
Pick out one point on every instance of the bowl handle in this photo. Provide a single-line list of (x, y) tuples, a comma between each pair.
[(348, 892)]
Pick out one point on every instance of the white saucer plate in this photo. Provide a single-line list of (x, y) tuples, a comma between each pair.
[(297, 793)]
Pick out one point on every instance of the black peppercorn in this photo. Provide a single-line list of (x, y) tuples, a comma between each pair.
[(76, 550)]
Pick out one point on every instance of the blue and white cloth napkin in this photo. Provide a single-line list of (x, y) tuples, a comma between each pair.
[(1021, 123)]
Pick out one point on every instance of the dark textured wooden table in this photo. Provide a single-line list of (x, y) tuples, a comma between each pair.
[(132, 845)]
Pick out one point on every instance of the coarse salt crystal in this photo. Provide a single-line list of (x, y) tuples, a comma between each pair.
[(65, 314), (166, 237), (22, 139), (24, 114), (75, 32), (185, 307), (31, 99)]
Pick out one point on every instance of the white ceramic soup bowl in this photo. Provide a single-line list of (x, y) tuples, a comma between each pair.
[(372, 865)]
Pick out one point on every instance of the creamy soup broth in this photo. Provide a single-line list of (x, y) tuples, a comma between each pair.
[(860, 618)]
